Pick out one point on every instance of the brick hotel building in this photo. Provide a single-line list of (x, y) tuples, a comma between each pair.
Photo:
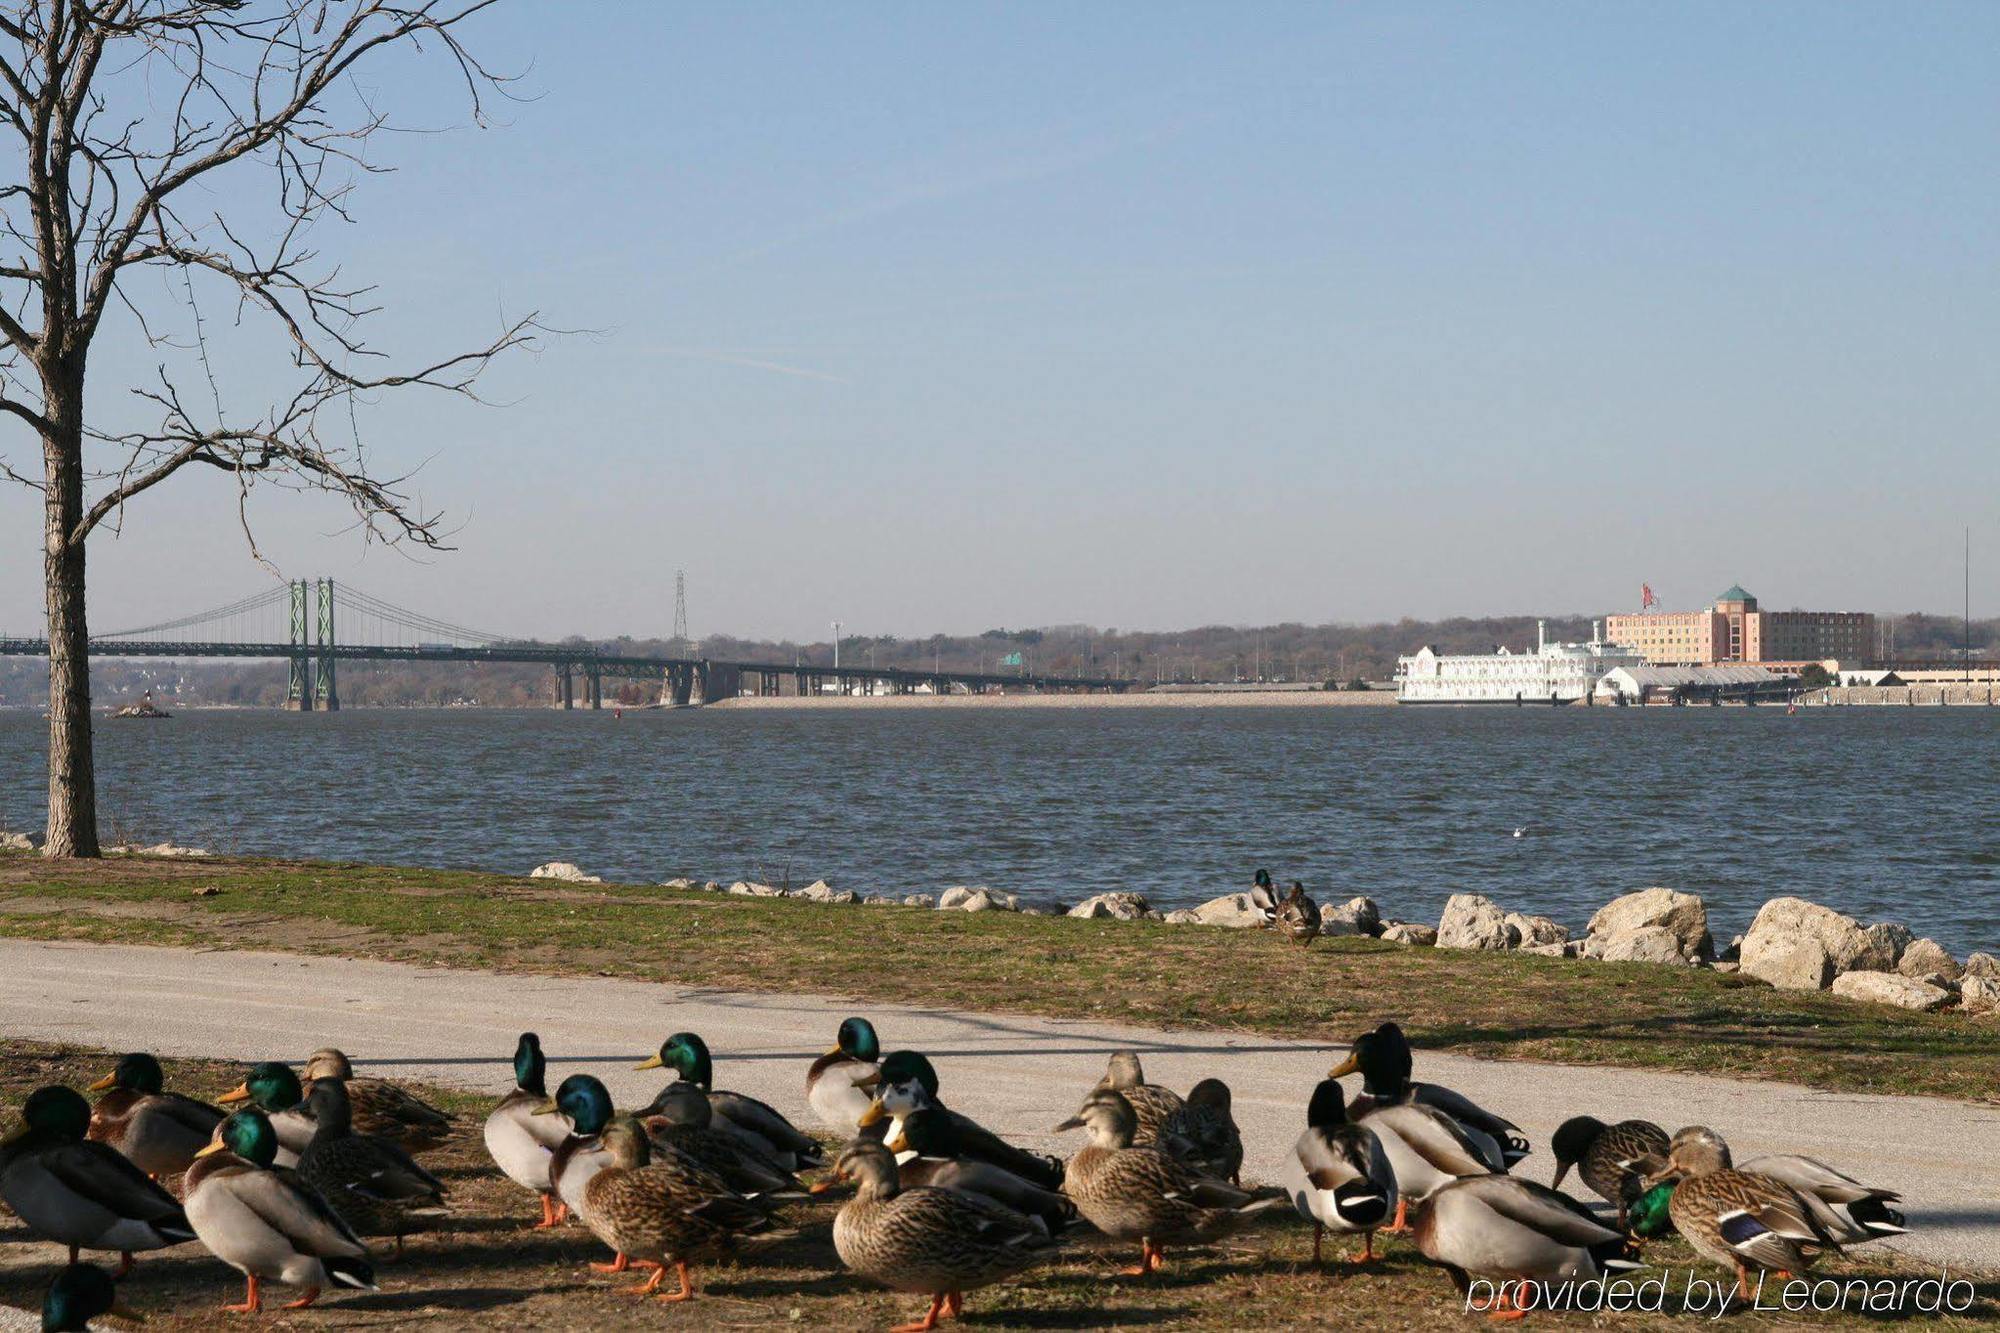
[(1735, 630)]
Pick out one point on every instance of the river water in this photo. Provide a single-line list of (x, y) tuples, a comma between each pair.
[(1887, 813)]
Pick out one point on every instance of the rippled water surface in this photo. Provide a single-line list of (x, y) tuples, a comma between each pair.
[(1885, 813)]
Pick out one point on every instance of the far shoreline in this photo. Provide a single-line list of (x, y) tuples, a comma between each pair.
[(1137, 699)]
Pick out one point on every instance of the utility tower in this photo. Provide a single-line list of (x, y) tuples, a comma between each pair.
[(681, 608)]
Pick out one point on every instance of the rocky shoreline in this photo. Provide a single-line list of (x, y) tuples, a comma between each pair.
[(1793, 944)]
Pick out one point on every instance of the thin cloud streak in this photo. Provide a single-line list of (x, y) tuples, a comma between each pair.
[(753, 363)]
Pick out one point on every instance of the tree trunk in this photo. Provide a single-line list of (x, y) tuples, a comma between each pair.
[(72, 829)]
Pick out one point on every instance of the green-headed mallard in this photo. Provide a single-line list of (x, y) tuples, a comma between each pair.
[(1514, 1233), (1383, 1057), (656, 1211), (159, 1131), (275, 1090), (80, 1193), (1338, 1174), (1205, 1125), (935, 1242), (942, 1159), (520, 1142), (381, 1108), (585, 1105), (266, 1222), (1143, 1193), (907, 1082), (685, 1123), (1298, 916), (687, 1055), (77, 1295), (1734, 1218), (376, 1188), (1264, 897), (1612, 1159), (1151, 1103), (1651, 1214), (834, 1084), (1845, 1209)]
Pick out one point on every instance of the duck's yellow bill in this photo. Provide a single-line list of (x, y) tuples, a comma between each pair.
[(1345, 1067), (213, 1147), (901, 1144), (875, 1114), (239, 1093), (548, 1107), (653, 1062), (872, 1078), (105, 1084)]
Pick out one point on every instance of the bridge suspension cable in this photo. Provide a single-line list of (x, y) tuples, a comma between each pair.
[(270, 597), (354, 601)]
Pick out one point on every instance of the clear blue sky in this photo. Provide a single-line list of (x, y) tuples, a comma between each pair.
[(952, 316)]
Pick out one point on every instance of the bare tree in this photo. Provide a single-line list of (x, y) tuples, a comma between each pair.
[(169, 149)]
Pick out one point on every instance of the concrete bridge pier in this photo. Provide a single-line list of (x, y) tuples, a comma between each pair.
[(565, 688), (593, 680)]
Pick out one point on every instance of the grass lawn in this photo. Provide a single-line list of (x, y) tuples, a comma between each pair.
[(487, 1271), (1500, 1005)]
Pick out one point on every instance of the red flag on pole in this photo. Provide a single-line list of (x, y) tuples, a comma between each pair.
[(1646, 598)]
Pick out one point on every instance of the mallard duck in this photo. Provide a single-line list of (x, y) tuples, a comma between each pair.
[(1611, 1159), (381, 1108), (1214, 1146), (274, 1089), (833, 1084), (1143, 1193), (1733, 1218), (656, 1211), (685, 1124), (1426, 1148), (80, 1193), (267, 1223), (1338, 1174), (520, 1142), (159, 1131), (687, 1055), (1513, 1233), (1651, 1213), (907, 1082), (1298, 916), (585, 1105), (374, 1186), (938, 1158), (937, 1242), (79, 1294), (1383, 1057), (1844, 1208), (1264, 897), (1154, 1105)]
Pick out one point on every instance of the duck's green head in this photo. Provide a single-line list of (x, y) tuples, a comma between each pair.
[(1383, 1057), (1262, 879), (137, 1072), (530, 1069), (908, 1067), (927, 1132), (271, 1085), (58, 1112), (1328, 1106), (584, 1101), (1571, 1141), (687, 1055), (1648, 1216), (79, 1294), (857, 1040), (248, 1134)]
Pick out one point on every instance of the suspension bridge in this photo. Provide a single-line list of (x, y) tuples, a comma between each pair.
[(306, 623)]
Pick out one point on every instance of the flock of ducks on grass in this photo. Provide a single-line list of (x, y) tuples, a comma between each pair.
[(286, 1188)]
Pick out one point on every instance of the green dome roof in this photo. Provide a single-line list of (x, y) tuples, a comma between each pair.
[(1735, 593)]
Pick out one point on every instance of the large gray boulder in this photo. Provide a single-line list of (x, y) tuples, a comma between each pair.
[(1409, 932), (1925, 957), (1848, 948), (1982, 965), (971, 898), (567, 871), (1356, 916), (1886, 942), (1890, 988), (1114, 906), (20, 842), (1644, 944), (1979, 994), (1789, 962), (919, 900), (1474, 921), (1232, 909), (1182, 916), (1682, 913), (819, 891), (744, 888), (1536, 930)]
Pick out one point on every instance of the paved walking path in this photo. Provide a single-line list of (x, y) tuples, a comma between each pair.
[(1017, 1075)]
